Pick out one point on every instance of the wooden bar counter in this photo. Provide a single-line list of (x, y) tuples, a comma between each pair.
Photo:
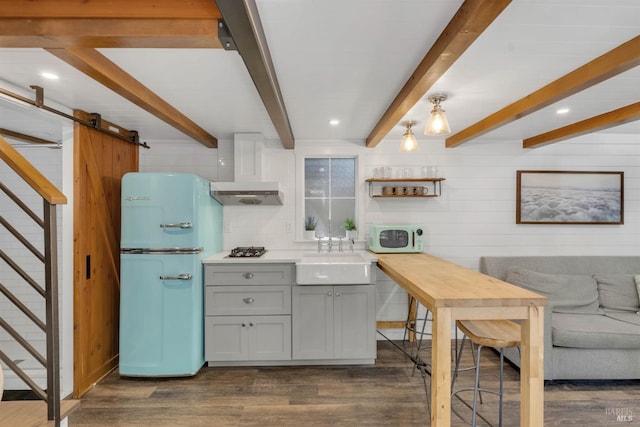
[(452, 292)]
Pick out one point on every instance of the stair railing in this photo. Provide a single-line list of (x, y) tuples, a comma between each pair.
[(51, 197)]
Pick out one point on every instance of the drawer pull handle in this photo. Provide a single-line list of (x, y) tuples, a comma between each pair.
[(329, 293), (248, 300), (337, 294), (248, 275), (244, 324), (250, 323)]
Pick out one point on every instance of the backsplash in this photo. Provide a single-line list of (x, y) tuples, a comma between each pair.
[(475, 214)]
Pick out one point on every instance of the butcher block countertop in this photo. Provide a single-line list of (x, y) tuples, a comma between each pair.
[(452, 293), (440, 283)]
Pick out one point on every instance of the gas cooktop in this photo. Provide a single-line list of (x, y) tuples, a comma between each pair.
[(247, 251)]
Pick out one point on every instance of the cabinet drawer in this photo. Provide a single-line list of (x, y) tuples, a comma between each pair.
[(244, 300), (248, 274)]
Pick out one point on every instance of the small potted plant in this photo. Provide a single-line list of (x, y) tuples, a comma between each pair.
[(310, 227), (349, 227)]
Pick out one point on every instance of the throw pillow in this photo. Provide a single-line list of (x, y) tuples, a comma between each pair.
[(567, 293), (618, 292)]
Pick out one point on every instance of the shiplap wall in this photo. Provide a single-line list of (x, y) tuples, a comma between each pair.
[(49, 162), (475, 215)]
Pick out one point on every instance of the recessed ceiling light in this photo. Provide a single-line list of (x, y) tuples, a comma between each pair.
[(50, 76), (562, 111), (334, 122)]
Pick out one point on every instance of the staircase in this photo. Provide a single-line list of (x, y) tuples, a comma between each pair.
[(50, 410)]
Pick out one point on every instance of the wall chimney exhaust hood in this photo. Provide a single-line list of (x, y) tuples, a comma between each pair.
[(247, 193), (246, 185)]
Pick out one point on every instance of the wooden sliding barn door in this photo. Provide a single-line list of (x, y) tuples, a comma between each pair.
[(100, 160)]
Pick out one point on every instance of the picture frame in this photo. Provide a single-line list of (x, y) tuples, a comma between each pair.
[(569, 197)]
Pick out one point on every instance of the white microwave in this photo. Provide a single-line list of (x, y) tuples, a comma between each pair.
[(396, 238)]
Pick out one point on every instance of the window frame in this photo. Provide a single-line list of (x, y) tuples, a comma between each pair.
[(300, 191)]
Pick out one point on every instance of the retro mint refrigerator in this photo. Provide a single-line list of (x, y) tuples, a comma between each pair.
[(169, 224)]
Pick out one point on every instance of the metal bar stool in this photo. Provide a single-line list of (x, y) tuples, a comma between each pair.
[(415, 333), (411, 330), (498, 334)]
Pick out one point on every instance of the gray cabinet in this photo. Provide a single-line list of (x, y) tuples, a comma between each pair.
[(334, 322), (248, 312), (244, 338)]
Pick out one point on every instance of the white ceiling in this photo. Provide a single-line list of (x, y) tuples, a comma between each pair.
[(347, 59)]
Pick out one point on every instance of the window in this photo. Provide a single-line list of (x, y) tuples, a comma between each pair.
[(330, 193)]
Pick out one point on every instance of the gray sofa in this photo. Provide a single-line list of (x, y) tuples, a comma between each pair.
[(592, 325)]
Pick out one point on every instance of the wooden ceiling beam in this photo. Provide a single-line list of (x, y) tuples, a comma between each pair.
[(622, 58), (607, 120), (471, 19), (116, 23), (243, 21), (109, 9), (100, 68), (105, 33)]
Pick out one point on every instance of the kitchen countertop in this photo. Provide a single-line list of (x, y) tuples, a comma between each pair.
[(452, 292), (275, 256), (438, 282)]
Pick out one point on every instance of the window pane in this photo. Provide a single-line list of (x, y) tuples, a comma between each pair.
[(341, 209), (320, 209), (343, 175), (329, 193), (316, 178)]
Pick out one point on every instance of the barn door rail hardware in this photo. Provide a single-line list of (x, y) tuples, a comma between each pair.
[(96, 122)]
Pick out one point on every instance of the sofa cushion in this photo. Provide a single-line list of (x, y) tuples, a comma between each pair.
[(618, 292), (567, 293), (623, 316), (589, 331)]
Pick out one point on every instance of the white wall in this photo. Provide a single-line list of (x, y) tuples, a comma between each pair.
[(189, 157), (49, 162), (475, 215)]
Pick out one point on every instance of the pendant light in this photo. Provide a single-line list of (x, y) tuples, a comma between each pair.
[(409, 142), (437, 123)]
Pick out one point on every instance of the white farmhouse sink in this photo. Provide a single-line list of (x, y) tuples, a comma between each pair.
[(334, 268)]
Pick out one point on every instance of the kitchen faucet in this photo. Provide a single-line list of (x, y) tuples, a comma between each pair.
[(329, 244)]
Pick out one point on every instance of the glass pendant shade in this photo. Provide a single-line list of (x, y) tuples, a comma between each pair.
[(409, 142), (437, 123)]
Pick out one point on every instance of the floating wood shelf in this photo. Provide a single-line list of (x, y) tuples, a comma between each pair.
[(404, 179), (405, 196), (376, 185)]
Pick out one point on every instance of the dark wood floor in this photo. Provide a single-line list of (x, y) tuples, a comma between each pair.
[(387, 394)]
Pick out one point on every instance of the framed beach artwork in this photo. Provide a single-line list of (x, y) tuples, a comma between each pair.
[(569, 197)]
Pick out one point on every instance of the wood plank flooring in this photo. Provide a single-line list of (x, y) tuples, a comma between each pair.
[(388, 394), (31, 413)]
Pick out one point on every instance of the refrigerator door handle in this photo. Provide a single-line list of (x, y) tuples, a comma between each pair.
[(184, 276), (177, 225), (160, 251)]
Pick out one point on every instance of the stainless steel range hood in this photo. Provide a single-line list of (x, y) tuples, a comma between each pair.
[(247, 193)]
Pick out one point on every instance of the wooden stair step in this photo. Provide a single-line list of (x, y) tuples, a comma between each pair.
[(32, 413)]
